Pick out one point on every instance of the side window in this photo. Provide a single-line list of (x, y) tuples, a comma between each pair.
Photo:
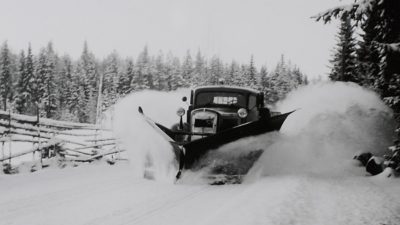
[(252, 102)]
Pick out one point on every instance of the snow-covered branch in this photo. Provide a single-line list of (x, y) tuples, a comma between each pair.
[(355, 10)]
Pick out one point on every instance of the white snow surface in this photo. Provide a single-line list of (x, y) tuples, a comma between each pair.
[(305, 175)]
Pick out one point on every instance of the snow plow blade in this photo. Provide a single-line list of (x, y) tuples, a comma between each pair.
[(189, 154), (197, 149)]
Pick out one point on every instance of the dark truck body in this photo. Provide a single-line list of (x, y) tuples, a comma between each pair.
[(218, 115)]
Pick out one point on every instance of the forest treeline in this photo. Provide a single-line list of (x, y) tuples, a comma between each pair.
[(60, 87)]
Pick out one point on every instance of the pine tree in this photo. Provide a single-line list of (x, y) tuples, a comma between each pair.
[(23, 94), (199, 70), (160, 72), (110, 77), (187, 69), (30, 77), (344, 59), (5, 76), (382, 19), (144, 70), (264, 79), (50, 89), (174, 74), (233, 74), (251, 74), (86, 76), (39, 87), (368, 55), (215, 72), (125, 79), (65, 89)]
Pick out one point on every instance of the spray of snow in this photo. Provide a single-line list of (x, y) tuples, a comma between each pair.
[(143, 144), (333, 122)]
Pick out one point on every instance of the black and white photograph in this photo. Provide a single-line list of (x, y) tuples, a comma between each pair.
[(199, 112)]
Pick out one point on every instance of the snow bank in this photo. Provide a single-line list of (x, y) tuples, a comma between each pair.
[(333, 121), (141, 141)]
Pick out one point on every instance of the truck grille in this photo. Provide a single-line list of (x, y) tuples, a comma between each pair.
[(203, 123)]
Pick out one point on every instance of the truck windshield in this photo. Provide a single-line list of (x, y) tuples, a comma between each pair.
[(220, 98)]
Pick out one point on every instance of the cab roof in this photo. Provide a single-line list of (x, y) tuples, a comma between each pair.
[(224, 88)]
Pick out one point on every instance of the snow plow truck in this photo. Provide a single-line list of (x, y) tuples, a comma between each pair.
[(218, 115)]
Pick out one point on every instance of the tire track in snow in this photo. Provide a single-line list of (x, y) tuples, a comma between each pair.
[(139, 211), (55, 199)]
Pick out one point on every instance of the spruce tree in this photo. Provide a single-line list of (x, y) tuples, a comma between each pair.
[(174, 74), (22, 88), (251, 74), (143, 68), (233, 74), (125, 79), (110, 77), (39, 86), (5, 76), (368, 55), (264, 78), (344, 59), (160, 72), (199, 70), (65, 86), (187, 69), (382, 18), (86, 75), (215, 71), (50, 89), (31, 80)]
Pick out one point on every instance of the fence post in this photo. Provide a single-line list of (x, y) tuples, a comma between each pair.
[(38, 132), (9, 134), (2, 151)]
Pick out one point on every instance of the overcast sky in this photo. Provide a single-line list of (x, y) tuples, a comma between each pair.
[(232, 29)]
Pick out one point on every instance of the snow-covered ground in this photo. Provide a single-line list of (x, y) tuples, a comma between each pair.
[(305, 175), (110, 195)]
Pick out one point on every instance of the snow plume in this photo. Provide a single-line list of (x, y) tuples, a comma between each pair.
[(143, 144), (333, 121)]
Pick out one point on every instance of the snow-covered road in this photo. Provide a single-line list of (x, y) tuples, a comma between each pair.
[(110, 195)]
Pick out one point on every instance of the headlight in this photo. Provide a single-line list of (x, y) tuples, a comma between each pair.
[(180, 112), (242, 113)]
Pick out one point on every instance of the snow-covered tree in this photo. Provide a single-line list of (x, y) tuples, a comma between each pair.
[(199, 70), (125, 79), (22, 87), (173, 72), (368, 56), (251, 74), (233, 75), (110, 78), (86, 76), (49, 96), (5, 76), (344, 58), (384, 29), (144, 70), (215, 72), (160, 72), (187, 69), (66, 88)]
